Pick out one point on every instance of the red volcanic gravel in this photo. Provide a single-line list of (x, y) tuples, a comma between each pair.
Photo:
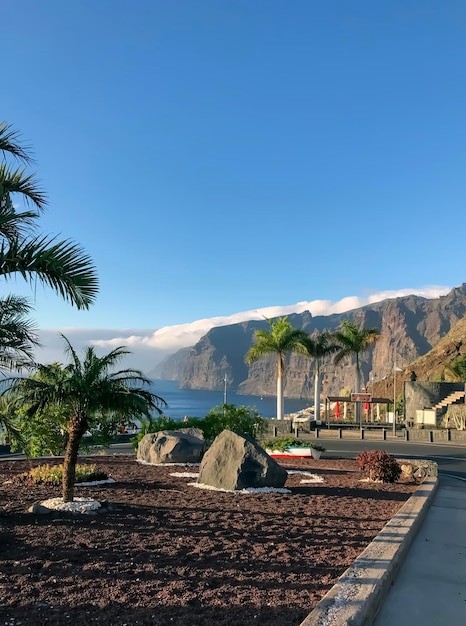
[(168, 553)]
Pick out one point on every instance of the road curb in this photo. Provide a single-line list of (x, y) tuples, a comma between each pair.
[(358, 595)]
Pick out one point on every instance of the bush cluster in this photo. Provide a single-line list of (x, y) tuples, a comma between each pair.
[(245, 420), (379, 465)]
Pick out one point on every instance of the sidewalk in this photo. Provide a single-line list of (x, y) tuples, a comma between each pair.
[(413, 573), (430, 586)]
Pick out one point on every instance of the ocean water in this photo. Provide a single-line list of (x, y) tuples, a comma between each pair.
[(198, 402)]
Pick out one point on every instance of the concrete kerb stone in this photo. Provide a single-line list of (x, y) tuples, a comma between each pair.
[(359, 593)]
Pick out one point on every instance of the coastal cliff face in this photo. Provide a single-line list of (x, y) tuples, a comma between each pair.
[(410, 327), (171, 366)]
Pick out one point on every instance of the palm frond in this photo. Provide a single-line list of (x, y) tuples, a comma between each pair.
[(19, 181), (15, 225), (281, 338), (17, 334), (10, 144), (61, 265), (353, 341)]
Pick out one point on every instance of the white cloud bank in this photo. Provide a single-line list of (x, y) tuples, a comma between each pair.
[(149, 347)]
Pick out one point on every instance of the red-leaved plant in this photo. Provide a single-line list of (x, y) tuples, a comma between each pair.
[(379, 465)]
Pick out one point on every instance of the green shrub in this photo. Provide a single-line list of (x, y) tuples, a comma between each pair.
[(155, 424), (281, 443), (245, 420), (53, 474), (379, 465), (152, 425), (242, 420)]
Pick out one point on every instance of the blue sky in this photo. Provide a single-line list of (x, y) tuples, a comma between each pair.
[(220, 157)]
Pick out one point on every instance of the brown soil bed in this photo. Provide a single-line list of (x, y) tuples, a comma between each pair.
[(177, 555)]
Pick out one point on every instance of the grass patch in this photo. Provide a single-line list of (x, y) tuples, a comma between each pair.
[(53, 474)]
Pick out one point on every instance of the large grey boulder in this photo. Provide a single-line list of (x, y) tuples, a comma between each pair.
[(236, 462), (186, 445)]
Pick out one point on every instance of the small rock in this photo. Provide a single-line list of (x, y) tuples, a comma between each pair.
[(39, 509)]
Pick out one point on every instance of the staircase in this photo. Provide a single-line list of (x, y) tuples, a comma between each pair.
[(450, 399)]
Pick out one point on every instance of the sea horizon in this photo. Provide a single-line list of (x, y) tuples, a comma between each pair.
[(198, 402)]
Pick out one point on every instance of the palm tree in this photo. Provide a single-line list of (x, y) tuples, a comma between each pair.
[(61, 265), (317, 348), (17, 337), (87, 391), (17, 333), (281, 338), (354, 341)]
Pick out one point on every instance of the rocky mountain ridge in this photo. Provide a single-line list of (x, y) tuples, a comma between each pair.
[(410, 328)]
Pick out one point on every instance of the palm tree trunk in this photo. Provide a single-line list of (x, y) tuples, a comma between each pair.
[(317, 395), (76, 429), (280, 402), (358, 412)]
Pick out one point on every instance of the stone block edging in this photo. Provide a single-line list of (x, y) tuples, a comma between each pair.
[(358, 595)]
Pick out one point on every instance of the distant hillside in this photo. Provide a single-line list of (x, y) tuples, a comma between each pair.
[(432, 366), (410, 328)]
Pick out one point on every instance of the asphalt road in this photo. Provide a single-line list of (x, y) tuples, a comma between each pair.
[(451, 458)]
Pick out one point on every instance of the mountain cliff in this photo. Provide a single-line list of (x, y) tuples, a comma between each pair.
[(410, 327), (171, 366)]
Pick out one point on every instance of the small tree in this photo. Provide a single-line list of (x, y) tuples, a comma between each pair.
[(85, 391)]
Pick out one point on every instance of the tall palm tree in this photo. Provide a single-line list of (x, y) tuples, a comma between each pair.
[(317, 347), (281, 339), (354, 341), (87, 391), (59, 264)]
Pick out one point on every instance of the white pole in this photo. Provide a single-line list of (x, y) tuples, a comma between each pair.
[(225, 389), (394, 394), (317, 395)]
